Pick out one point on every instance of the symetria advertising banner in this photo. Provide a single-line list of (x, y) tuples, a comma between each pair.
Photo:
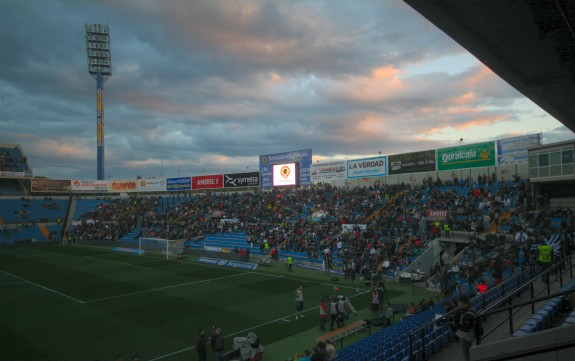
[(235, 180), (466, 156)]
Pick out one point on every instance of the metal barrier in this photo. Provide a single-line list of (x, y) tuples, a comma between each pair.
[(493, 301)]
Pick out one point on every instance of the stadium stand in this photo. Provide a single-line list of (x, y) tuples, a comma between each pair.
[(31, 220), (11, 187), (12, 159)]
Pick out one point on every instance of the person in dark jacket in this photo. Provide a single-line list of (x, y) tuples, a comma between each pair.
[(201, 345), (217, 342)]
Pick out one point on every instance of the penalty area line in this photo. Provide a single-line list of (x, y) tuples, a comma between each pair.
[(165, 288), (43, 287)]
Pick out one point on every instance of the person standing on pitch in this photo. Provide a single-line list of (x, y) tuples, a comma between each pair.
[(322, 314), (388, 315), (201, 345), (290, 263), (299, 302), (217, 343)]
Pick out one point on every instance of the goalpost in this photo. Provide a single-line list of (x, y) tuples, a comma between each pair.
[(161, 246)]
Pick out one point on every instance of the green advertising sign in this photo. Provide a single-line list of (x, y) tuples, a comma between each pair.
[(466, 156)]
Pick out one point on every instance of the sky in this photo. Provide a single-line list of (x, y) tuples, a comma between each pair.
[(206, 86)]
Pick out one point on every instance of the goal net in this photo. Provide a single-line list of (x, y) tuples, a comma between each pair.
[(170, 249)]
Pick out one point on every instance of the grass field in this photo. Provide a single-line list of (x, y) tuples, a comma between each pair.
[(88, 303)]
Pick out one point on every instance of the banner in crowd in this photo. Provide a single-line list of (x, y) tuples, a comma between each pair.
[(123, 186), (152, 185), (179, 184), (236, 180), (303, 157), (215, 181), (329, 171), (436, 215), (416, 162), (50, 185), (466, 156), (347, 227), (514, 150), (92, 186), (367, 167), (319, 215)]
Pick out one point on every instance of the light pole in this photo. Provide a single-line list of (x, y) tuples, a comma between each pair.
[(100, 67)]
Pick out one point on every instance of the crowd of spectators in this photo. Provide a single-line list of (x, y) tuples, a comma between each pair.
[(9, 162), (357, 230), (110, 221)]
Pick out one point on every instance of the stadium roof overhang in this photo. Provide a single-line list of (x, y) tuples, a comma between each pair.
[(528, 43)]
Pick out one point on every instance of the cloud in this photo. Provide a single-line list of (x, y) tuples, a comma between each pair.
[(207, 86)]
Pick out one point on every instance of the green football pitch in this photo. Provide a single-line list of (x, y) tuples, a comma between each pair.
[(89, 303)]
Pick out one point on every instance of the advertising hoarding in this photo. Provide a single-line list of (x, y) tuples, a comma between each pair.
[(89, 186), (208, 182), (436, 215), (328, 171), (152, 185), (303, 157), (236, 180), (122, 185), (285, 175), (50, 185), (367, 167), (415, 162), (514, 150), (466, 156), (179, 184)]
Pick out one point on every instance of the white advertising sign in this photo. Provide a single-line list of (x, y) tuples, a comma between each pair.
[(90, 186), (368, 167)]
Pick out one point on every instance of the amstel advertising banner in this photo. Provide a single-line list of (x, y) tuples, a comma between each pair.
[(208, 182), (90, 186), (466, 156), (123, 185), (50, 185), (436, 215), (415, 162)]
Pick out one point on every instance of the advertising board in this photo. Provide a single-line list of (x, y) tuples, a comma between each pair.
[(367, 167), (303, 157), (466, 156)]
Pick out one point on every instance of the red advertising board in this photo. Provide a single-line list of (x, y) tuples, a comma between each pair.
[(208, 181), (436, 215)]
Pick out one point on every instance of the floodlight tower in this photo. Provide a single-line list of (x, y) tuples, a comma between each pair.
[(100, 67)]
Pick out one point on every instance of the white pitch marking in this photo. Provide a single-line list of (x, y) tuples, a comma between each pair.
[(243, 331), (165, 288), (43, 287)]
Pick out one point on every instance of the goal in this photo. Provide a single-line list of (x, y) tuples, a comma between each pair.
[(160, 246)]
